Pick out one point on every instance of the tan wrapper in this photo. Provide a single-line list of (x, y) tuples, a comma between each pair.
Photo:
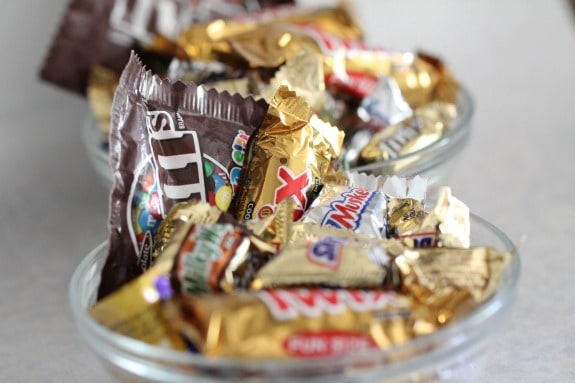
[(329, 262)]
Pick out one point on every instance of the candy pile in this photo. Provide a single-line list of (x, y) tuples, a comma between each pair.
[(388, 102), (232, 234)]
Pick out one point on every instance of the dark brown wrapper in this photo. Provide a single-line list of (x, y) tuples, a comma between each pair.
[(104, 32), (169, 142)]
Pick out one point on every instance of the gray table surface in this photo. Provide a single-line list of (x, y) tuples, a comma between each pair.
[(517, 58)]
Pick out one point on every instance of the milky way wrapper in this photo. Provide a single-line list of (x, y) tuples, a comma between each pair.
[(169, 143), (210, 258), (443, 278), (288, 157), (303, 323), (330, 262)]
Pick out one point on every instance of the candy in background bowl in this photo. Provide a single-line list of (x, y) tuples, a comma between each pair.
[(434, 161), (450, 354)]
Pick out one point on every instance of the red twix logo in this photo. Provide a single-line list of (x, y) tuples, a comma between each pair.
[(293, 185)]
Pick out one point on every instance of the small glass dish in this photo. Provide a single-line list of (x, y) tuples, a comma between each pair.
[(451, 354), (433, 161)]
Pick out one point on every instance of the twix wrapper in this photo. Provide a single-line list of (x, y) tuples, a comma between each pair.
[(297, 323), (169, 143), (288, 157)]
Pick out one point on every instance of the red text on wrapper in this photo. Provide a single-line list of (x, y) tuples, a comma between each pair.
[(314, 344), (290, 304)]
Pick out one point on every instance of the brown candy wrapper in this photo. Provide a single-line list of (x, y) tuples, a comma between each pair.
[(288, 157), (103, 32), (287, 323), (169, 142)]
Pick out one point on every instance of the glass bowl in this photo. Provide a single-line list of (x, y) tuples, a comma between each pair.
[(451, 354), (433, 161), (436, 160)]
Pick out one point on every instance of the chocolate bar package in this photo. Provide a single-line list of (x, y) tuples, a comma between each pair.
[(169, 143)]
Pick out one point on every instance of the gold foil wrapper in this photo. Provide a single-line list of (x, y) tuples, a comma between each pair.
[(275, 229), (440, 278), (450, 220), (100, 90), (184, 213), (404, 215), (446, 225), (214, 40), (135, 310), (287, 323), (428, 125), (302, 73), (288, 157)]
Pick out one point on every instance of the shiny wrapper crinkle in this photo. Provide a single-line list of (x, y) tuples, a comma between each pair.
[(288, 157), (286, 323), (351, 208)]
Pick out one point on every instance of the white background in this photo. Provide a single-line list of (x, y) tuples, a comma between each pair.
[(518, 59)]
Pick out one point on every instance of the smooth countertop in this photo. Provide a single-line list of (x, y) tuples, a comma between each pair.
[(516, 57)]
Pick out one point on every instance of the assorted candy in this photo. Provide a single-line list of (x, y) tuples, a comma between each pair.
[(388, 102), (234, 229)]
